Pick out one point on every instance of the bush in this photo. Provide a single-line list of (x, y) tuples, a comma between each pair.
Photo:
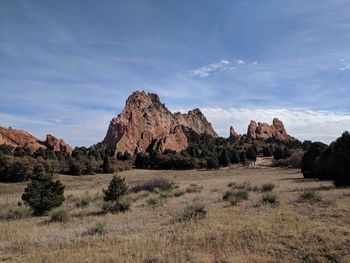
[(294, 161), (116, 189), (194, 211), (154, 201), (21, 211), (245, 186), (42, 193), (58, 215), (152, 184), (212, 163), (267, 187), (193, 188), (142, 160), (309, 195), (178, 193), (98, 229), (121, 205), (106, 166), (234, 196), (251, 153), (267, 152), (269, 198), (234, 157), (83, 202)]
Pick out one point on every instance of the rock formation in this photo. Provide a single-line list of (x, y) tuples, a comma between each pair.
[(145, 124), (233, 134), (264, 131), (20, 138)]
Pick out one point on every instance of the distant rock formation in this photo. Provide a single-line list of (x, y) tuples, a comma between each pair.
[(145, 124), (20, 138), (233, 134), (264, 131)]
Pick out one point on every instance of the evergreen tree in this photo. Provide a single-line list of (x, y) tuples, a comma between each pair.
[(224, 159), (42, 193), (267, 151), (308, 162), (106, 166), (243, 157), (234, 157), (117, 188), (251, 153)]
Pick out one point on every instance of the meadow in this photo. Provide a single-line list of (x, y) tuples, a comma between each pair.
[(287, 226)]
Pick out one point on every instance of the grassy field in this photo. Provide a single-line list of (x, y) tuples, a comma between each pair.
[(251, 231)]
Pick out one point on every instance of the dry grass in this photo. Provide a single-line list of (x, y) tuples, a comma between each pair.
[(249, 232)]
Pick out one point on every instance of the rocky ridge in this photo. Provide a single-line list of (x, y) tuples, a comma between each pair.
[(20, 138)]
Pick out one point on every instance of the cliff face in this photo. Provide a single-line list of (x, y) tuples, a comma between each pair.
[(145, 123), (20, 138), (264, 131)]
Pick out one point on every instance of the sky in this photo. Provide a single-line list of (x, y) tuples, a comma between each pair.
[(68, 66)]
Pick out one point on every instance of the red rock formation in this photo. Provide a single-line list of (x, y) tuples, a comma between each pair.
[(146, 123), (20, 138), (233, 133), (264, 131)]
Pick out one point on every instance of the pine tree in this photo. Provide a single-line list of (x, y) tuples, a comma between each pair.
[(117, 188), (42, 193), (251, 153), (224, 159), (106, 166)]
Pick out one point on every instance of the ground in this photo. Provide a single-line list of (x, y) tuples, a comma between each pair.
[(289, 231)]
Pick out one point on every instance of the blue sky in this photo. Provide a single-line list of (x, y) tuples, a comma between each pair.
[(67, 67)]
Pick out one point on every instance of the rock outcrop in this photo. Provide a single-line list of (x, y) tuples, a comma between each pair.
[(264, 131), (20, 138), (145, 124), (233, 134)]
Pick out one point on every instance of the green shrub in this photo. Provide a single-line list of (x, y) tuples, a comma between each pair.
[(116, 189), (235, 196), (245, 185), (269, 198), (178, 193), (98, 229), (20, 212), (83, 201), (59, 215), (154, 201), (193, 188), (42, 193), (309, 195), (121, 205), (153, 185), (194, 211), (267, 187)]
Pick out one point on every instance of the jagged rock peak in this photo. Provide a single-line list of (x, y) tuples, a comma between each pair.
[(20, 138), (145, 123), (233, 133), (264, 131)]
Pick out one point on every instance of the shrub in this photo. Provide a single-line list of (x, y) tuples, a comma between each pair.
[(194, 211), (142, 160), (21, 211), (121, 205), (83, 202), (212, 163), (309, 195), (58, 215), (269, 198), (154, 201), (117, 188), (267, 152), (42, 193), (178, 193), (106, 166), (98, 229), (278, 153), (234, 196), (267, 187), (245, 185), (152, 184), (193, 188)]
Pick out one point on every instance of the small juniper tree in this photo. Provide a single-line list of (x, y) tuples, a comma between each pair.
[(116, 189), (42, 193), (251, 154), (224, 159), (106, 166)]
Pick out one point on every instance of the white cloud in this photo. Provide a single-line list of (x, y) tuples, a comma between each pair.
[(241, 62), (345, 67), (303, 124), (212, 68)]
